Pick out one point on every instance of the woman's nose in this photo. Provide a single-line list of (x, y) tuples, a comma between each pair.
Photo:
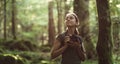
[(68, 19)]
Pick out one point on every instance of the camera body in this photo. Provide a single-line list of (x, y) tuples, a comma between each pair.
[(74, 38)]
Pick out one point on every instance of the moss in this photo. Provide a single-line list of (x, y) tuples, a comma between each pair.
[(11, 59), (22, 45)]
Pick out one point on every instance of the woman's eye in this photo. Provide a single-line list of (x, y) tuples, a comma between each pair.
[(71, 17), (66, 18)]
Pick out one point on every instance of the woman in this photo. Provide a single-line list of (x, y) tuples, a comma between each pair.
[(69, 43)]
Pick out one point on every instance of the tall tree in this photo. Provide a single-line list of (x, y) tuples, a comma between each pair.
[(67, 4), (13, 19), (51, 28), (5, 20), (60, 16), (81, 9), (105, 44)]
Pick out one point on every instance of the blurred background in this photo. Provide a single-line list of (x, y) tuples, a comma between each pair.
[(28, 29)]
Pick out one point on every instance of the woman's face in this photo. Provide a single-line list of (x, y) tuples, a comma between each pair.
[(70, 20)]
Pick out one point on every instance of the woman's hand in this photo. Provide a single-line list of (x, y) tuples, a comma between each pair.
[(74, 44), (70, 43), (66, 40)]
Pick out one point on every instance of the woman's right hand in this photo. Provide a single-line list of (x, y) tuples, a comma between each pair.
[(66, 40)]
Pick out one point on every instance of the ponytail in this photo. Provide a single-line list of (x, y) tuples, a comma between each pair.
[(76, 31)]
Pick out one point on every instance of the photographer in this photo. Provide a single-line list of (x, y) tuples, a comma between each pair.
[(69, 43)]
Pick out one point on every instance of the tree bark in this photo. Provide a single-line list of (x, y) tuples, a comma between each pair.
[(81, 9), (13, 20), (105, 44), (51, 28), (60, 17), (5, 36), (66, 8)]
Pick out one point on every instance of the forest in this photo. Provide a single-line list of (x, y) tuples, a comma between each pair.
[(28, 29)]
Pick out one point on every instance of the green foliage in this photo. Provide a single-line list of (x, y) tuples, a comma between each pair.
[(30, 57), (45, 48), (115, 8), (32, 18), (24, 50), (90, 62), (11, 59), (93, 22), (32, 22), (22, 45), (33, 12)]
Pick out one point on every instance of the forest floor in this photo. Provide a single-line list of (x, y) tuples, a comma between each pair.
[(27, 53)]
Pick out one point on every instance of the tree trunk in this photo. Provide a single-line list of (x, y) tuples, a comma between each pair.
[(51, 28), (105, 44), (60, 17), (13, 20), (5, 37), (81, 9), (66, 8)]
